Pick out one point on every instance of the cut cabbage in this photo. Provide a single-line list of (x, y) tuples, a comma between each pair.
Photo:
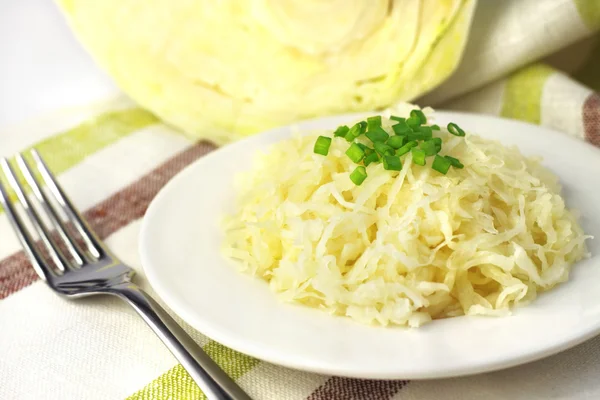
[(404, 247), (228, 68)]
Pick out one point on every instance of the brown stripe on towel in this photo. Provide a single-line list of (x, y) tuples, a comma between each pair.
[(337, 388)]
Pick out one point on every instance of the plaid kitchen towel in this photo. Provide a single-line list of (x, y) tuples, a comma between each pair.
[(537, 61)]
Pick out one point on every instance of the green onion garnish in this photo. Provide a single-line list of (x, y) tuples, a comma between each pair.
[(428, 147), (438, 143), (455, 129), (401, 128), (377, 135), (455, 162), (322, 145), (392, 163), (412, 144), (352, 133), (413, 122), (418, 156), (410, 135), (402, 150), (396, 141), (365, 148), (358, 175), (355, 153), (373, 122), (383, 149), (419, 114), (441, 164), (426, 132), (341, 131), (406, 148), (373, 157), (415, 135), (356, 130)]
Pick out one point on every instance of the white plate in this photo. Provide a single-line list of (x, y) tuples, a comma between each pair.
[(180, 248)]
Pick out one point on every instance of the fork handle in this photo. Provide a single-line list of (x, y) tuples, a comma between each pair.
[(213, 381)]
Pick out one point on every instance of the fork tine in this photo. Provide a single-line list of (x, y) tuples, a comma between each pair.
[(57, 222), (55, 254), (93, 244), (37, 261)]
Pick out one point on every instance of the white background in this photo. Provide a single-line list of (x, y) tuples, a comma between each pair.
[(42, 66)]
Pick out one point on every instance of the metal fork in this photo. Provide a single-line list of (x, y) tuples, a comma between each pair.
[(87, 267)]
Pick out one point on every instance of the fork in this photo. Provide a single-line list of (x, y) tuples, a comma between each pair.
[(77, 264)]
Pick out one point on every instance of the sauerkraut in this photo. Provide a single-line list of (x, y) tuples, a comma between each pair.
[(404, 247)]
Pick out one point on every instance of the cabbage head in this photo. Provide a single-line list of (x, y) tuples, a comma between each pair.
[(222, 69)]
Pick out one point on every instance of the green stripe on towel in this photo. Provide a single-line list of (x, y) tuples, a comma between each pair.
[(523, 93), (176, 384), (67, 149)]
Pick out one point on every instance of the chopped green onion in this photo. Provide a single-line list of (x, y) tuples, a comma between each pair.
[(406, 148), (414, 136), (410, 135), (373, 122), (455, 129), (396, 141), (356, 130), (419, 114), (455, 162), (322, 145), (355, 153), (373, 157), (401, 128), (350, 135), (377, 135), (341, 131), (438, 143), (426, 132), (413, 122), (383, 149), (418, 156), (412, 144), (441, 164), (353, 133), (358, 175), (429, 147), (392, 163), (402, 150), (365, 148)]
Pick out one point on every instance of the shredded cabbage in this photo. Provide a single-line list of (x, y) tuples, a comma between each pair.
[(404, 247)]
